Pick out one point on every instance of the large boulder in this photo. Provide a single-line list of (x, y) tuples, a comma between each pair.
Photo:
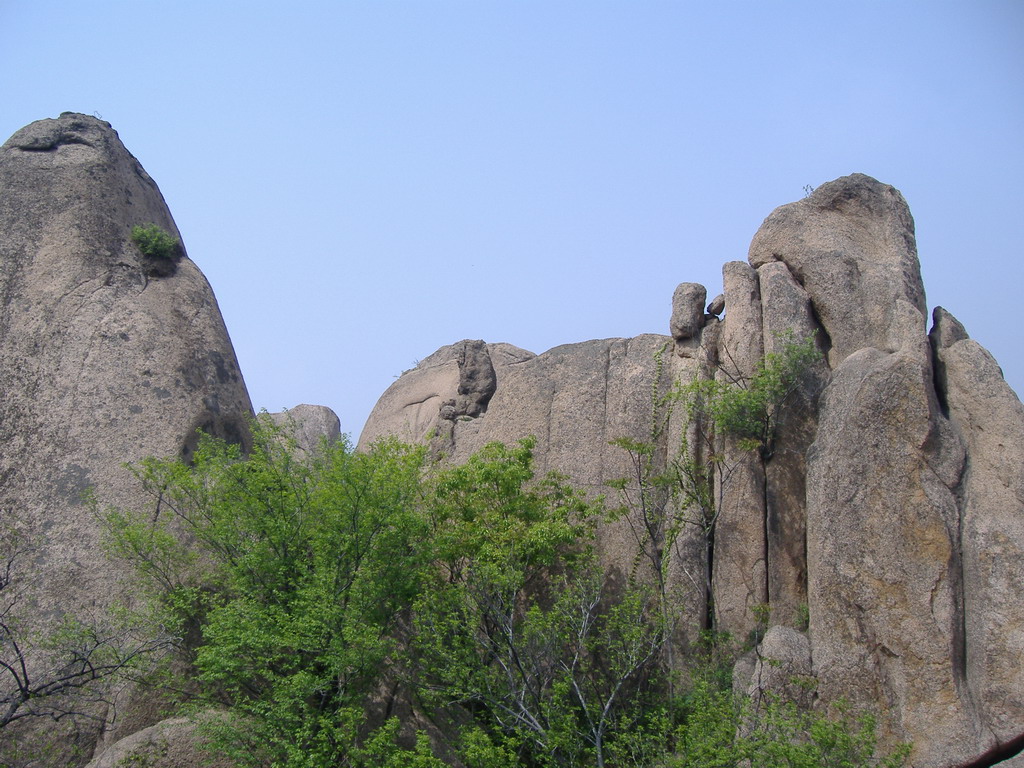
[(912, 493), (307, 426), (851, 245), (884, 567), (573, 400), (107, 355), (173, 743), (454, 384)]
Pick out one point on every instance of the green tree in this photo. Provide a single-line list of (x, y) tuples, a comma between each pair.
[(748, 409), (521, 624), (665, 494), (154, 242), (723, 730), (289, 579), (302, 587)]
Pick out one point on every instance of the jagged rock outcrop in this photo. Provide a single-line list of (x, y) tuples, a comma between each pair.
[(103, 359), (889, 514), (881, 537), (455, 383), (851, 245)]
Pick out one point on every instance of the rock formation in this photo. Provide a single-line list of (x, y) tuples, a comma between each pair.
[(307, 425), (105, 358), (888, 520), (877, 549)]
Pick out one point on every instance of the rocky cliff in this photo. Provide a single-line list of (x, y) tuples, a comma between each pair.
[(882, 535), (106, 356), (888, 521)]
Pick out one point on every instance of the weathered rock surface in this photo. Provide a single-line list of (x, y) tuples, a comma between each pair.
[(102, 362), (990, 418), (781, 667), (573, 399), (851, 245), (308, 425), (883, 565), (456, 382), (172, 743), (740, 577), (687, 311), (786, 309), (890, 512)]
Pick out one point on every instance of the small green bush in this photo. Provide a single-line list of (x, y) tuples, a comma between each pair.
[(155, 242)]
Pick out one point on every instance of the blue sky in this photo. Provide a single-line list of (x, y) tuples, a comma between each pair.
[(364, 182)]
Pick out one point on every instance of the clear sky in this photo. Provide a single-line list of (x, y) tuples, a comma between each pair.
[(364, 182)]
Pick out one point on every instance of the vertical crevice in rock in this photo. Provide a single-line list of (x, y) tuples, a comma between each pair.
[(787, 316), (695, 337), (769, 541), (990, 418), (946, 331), (955, 472), (739, 578), (821, 338), (699, 431)]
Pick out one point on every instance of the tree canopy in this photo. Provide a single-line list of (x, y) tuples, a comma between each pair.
[(316, 595)]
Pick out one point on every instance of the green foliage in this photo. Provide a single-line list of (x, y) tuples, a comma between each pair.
[(721, 730), (519, 622), (674, 487), (479, 750), (155, 242), (291, 577), (803, 617), (556, 671), (303, 588), (748, 410)]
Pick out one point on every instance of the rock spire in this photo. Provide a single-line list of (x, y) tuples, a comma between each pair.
[(887, 523)]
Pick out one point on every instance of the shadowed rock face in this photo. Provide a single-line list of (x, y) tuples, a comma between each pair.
[(891, 510), (104, 359)]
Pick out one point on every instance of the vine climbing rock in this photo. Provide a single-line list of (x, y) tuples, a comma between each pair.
[(101, 362), (887, 521)]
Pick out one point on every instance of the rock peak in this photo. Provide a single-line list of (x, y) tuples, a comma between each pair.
[(102, 362), (851, 245), (888, 520)]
